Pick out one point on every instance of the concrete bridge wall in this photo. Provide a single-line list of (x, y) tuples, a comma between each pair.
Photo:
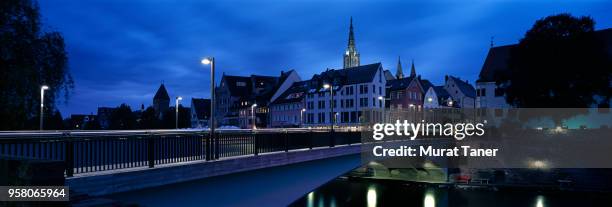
[(109, 182)]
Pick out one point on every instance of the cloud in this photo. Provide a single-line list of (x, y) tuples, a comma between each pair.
[(120, 51)]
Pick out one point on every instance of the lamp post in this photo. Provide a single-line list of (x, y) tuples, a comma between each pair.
[(302, 116), (253, 115), (331, 93), (177, 109), (211, 123), (382, 99), (42, 104)]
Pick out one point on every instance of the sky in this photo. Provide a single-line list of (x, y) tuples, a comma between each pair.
[(120, 51)]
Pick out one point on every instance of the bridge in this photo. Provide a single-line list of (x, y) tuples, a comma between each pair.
[(106, 162)]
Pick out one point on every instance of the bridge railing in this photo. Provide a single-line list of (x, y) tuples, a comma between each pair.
[(95, 151)]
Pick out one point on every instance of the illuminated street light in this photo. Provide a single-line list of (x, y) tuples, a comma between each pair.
[(383, 107), (302, 116), (42, 104), (253, 115), (331, 105), (211, 123), (177, 109)]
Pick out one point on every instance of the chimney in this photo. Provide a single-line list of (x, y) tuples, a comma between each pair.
[(445, 78)]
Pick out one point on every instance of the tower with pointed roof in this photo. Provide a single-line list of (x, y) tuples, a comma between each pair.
[(351, 56), (412, 70), (161, 100), (400, 73)]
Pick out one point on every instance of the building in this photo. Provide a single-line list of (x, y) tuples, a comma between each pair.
[(161, 101), (488, 93), (407, 92), (351, 56), (288, 109), (438, 97), (492, 95), (200, 112), (237, 95), (355, 89), (462, 93), (82, 121)]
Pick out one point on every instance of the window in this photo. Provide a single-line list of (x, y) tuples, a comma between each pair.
[(363, 102), (241, 83)]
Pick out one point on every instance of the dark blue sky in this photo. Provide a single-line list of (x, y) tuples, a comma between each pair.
[(121, 50)]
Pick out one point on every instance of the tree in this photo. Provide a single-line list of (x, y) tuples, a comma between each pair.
[(169, 120), (122, 118), (560, 63), (148, 119), (29, 58)]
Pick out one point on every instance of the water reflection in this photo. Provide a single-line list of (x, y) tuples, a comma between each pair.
[(540, 201), (310, 199), (372, 196), (430, 199)]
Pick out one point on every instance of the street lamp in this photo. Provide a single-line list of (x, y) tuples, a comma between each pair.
[(331, 93), (177, 109), (382, 99), (42, 104), (253, 115), (211, 123), (302, 116)]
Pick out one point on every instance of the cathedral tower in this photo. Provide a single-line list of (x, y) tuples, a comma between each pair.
[(351, 56)]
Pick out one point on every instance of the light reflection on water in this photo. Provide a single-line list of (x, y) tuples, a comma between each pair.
[(430, 199), (540, 201), (372, 196), (310, 199)]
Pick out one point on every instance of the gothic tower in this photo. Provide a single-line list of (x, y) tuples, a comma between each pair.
[(351, 56), (400, 73), (412, 70), (161, 101)]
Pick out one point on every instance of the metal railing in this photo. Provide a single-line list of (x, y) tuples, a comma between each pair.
[(95, 151)]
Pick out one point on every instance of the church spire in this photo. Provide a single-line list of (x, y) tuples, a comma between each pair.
[(412, 70), (351, 56), (351, 40), (400, 73)]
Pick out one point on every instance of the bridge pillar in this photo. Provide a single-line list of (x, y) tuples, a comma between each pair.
[(69, 156)]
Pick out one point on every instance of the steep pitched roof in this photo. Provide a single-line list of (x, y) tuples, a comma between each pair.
[(497, 60), (161, 93), (425, 84), (388, 75), (464, 87), (234, 88), (399, 84), (349, 76), (441, 92), (201, 107), (295, 93)]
